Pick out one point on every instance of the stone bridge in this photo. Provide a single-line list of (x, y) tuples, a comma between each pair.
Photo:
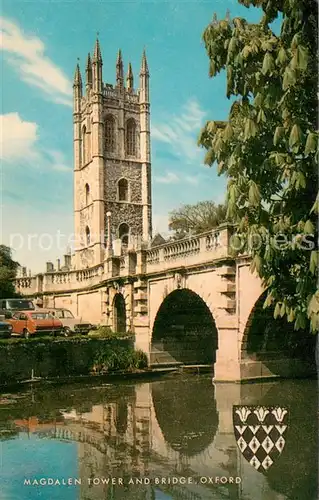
[(189, 302)]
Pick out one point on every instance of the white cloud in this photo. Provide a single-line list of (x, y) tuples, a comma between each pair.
[(19, 141), (192, 179), (181, 133), (17, 137), (172, 178), (169, 178), (27, 55)]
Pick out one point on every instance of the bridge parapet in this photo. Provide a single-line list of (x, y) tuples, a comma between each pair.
[(212, 245), (193, 251)]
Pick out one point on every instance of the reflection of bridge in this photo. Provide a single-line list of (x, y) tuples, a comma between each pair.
[(188, 301), (136, 437), (180, 428)]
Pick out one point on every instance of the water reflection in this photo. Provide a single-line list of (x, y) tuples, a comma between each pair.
[(149, 436)]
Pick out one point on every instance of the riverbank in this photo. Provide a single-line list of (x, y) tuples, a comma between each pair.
[(39, 359)]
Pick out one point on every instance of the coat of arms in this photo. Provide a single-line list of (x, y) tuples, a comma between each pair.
[(259, 432)]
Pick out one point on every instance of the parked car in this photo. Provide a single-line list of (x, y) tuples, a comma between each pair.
[(71, 325), (17, 304), (5, 329), (27, 323)]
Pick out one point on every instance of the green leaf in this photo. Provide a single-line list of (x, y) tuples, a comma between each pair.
[(261, 116), (258, 263), (279, 132), (289, 78), (291, 315), (277, 310), (282, 310), (313, 265), (209, 157), (308, 227), (253, 194), (246, 51), (250, 129), (212, 68), (228, 132), (311, 143), (315, 206), (295, 137), (258, 100), (282, 57), (268, 64)]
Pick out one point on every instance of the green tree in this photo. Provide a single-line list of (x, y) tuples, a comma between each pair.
[(8, 271), (195, 219), (268, 147)]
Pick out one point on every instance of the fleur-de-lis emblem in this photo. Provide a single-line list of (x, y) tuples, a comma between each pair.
[(243, 413), (261, 413), (279, 413)]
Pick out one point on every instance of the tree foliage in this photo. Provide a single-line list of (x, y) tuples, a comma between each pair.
[(195, 219), (8, 270), (268, 147)]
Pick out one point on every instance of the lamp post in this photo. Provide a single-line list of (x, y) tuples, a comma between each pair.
[(109, 236)]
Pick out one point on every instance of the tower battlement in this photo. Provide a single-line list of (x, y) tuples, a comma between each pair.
[(112, 159)]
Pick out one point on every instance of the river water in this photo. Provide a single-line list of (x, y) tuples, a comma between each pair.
[(160, 439)]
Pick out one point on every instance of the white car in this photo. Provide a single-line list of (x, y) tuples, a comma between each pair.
[(71, 325)]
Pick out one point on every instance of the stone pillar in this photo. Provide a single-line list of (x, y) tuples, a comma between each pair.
[(227, 365)]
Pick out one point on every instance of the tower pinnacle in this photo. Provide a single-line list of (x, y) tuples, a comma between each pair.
[(97, 57), (88, 71), (144, 66), (77, 77), (119, 70), (130, 78)]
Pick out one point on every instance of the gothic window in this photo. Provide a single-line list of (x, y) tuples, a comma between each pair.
[(87, 194), (124, 231), (123, 190), (84, 152), (131, 137), (88, 235), (110, 134)]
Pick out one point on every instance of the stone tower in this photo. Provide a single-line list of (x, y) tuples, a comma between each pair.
[(112, 160)]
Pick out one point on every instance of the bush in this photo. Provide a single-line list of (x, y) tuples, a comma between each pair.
[(119, 360), (106, 332)]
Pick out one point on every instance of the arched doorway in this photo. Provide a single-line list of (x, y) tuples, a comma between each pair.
[(119, 311), (185, 329)]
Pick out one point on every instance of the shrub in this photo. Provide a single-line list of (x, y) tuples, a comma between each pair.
[(106, 332), (119, 359)]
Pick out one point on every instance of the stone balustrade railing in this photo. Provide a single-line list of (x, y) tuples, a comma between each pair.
[(196, 250)]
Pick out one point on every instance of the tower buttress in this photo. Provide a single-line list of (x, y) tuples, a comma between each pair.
[(77, 96), (145, 144)]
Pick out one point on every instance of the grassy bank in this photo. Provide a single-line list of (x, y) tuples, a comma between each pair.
[(49, 357)]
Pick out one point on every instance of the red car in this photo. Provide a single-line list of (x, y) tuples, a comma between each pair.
[(26, 323)]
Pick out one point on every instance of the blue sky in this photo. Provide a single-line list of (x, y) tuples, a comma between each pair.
[(41, 41)]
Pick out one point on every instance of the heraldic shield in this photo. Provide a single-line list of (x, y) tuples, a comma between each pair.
[(260, 433)]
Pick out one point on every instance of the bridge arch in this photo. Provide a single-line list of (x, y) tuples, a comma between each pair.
[(267, 338), (174, 408), (184, 327)]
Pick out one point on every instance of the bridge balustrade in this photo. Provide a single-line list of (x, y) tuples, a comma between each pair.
[(196, 250)]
